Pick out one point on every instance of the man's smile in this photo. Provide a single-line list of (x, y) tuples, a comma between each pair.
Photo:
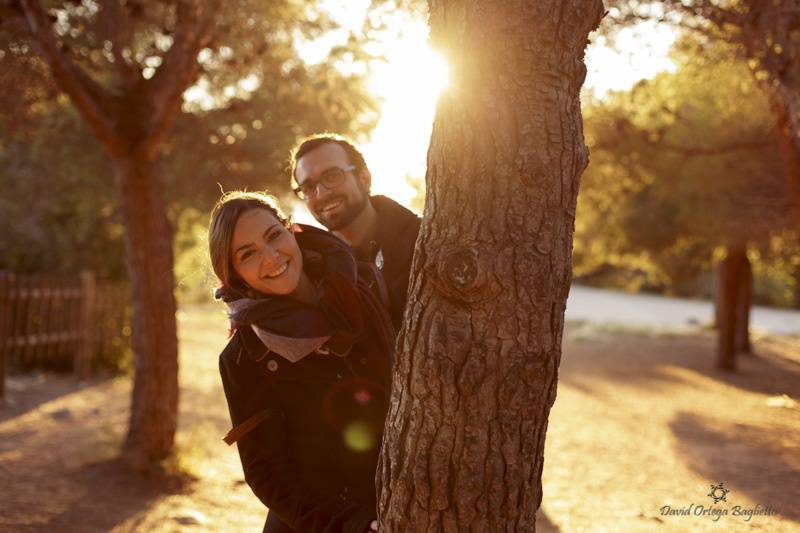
[(327, 208)]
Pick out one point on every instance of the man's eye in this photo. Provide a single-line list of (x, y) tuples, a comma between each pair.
[(332, 176)]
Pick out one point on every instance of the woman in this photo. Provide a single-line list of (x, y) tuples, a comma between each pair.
[(306, 372)]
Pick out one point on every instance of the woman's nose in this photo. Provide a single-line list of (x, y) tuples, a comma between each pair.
[(270, 252), (269, 256)]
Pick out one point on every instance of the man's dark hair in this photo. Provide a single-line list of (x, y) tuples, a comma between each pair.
[(312, 142)]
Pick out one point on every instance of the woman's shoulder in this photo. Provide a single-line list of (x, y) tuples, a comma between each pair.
[(244, 354), (230, 352), (234, 358), (237, 369)]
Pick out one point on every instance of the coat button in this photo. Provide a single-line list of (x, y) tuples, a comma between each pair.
[(272, 365), (363, 360)]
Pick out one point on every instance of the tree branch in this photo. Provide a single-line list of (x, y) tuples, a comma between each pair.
[(693, 151), (179, 66), (703, 17), (119, 36), (12, 20), (91, 100)]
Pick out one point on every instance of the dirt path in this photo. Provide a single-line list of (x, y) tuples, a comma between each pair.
[(57, 458), (640, 423), (643, 422)]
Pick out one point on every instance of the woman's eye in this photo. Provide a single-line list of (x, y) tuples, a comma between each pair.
[(245, 256), (274, 235)]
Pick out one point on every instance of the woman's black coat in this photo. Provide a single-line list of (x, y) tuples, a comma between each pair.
[(310, 453)]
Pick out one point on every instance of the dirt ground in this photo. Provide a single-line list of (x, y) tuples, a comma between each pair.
[(641, 422)]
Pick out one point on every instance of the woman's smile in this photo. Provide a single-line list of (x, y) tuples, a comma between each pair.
[(279, 270)]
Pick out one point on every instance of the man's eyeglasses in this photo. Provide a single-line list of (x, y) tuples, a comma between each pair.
[(333, 177)]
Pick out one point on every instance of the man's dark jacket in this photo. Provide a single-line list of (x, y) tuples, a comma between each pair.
[(311, 455), (395, 237)]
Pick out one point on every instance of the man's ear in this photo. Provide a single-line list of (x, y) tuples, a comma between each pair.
[(365, 178)]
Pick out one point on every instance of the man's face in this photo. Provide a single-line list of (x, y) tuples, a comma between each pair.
[(338, 207)]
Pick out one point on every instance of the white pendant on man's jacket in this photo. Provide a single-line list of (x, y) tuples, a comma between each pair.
[(379, 260)]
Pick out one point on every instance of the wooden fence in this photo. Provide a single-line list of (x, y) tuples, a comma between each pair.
[(58, 322)]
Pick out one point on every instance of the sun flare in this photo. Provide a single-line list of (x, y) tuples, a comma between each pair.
[(409, 83), (412, 76)]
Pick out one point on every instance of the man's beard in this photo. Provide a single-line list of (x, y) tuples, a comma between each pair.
[(349, 212)]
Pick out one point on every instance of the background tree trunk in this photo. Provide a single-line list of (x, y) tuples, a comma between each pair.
[(148, 246), (743, 312), (731, 273), (717, 296), (477, 363), (131, 119), (785, 105)]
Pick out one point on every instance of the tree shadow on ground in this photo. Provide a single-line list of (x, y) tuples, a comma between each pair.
[(544, 524), (748, 459), (25, 392), (113, 494), (102, 496), (646, 362)]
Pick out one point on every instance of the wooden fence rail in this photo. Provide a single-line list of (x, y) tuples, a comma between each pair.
[(58, 322)]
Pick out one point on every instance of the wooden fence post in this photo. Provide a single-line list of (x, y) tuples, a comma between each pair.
[(5, 322), (83, 360)]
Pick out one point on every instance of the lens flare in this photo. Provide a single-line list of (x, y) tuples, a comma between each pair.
[(359, 437), (362, 396)]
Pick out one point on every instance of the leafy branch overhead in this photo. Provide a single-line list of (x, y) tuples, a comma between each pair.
[(182, 39), (681, 164), (766, 35)]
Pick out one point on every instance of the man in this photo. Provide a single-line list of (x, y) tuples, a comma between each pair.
[(334, 182)]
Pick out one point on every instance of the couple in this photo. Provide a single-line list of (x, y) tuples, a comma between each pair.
[(313, 313)]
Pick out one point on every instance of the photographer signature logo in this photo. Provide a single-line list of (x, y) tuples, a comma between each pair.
[(718, 492)]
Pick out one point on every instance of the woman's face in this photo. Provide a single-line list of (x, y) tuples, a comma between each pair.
[(264, 253)]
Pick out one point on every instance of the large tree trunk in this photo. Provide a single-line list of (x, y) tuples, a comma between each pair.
[(148, 245), (477, 363), (744, 304), (731, 273)]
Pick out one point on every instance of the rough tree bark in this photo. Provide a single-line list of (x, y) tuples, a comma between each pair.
[(131, 121), (148, 247), (477, 363), (731, 275)]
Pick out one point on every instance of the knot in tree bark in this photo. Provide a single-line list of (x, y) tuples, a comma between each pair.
[(461, 275)]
